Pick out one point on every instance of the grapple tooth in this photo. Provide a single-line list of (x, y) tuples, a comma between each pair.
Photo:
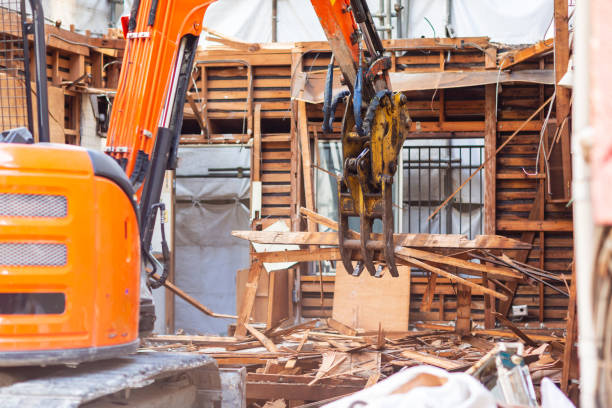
[(358, 269), (387, 221), (345, 253), (366, 229)]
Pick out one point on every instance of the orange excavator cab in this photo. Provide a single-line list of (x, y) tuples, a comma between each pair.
[(69, 248)]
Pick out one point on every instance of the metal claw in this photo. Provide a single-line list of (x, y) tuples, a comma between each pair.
[(345, 253), (387, 221), (366, 229)]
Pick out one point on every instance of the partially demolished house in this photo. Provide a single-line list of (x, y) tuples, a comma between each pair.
[(484, 230)]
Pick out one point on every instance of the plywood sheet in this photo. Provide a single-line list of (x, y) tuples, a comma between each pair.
[(363, 302)]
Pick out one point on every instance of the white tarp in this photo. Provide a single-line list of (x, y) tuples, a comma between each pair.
[(207, 210), (92, 15), (512, 22)]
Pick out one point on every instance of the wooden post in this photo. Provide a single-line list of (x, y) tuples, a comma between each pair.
[(97, 63), (306, 161), (251, 83), (490, 141), (563, 94), (490, 173), (463, 326)]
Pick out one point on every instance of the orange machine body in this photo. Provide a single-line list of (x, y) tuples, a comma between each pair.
[(72, 221), (70, 264), (146, 89)]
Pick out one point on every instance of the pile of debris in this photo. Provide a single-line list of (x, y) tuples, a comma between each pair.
[(324, 360)]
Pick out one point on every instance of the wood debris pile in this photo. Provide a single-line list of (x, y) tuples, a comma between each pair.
[(323, 360)]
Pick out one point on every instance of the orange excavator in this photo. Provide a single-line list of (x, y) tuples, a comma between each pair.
[(76, 225)]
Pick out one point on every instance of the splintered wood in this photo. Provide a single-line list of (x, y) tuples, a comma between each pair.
[(321, 360)]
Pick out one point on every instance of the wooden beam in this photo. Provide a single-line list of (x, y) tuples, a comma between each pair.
[(192, 301), (404, 240), (563, 94)]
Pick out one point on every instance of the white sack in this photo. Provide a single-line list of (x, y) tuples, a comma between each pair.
[(460, 391)]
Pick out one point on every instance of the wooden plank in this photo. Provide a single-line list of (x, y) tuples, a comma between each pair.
[(278, 297), (200, 340), (267, 343), (341, 328), (249, 298), (301, 255), (561, 225), (429, 359), (363, 302)]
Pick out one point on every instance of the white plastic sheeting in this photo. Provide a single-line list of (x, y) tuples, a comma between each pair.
[(512, 22), (207, 256), (92, 15)]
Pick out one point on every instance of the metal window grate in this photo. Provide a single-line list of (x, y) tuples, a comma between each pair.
[(33, 205), (433, 170), (15, 97), (32, 254)]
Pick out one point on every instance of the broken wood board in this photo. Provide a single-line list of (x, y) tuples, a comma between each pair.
[(363, 302)]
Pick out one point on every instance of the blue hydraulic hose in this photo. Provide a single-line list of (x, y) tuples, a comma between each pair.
[(357, 99)]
